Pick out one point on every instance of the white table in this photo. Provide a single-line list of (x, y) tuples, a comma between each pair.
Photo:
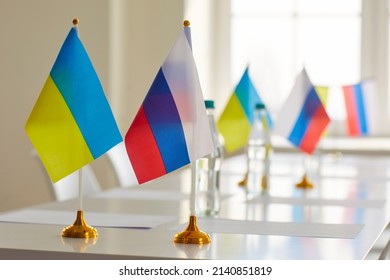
[(349, 191)]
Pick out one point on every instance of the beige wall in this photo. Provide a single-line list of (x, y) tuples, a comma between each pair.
[(141, 35), (126, 41)]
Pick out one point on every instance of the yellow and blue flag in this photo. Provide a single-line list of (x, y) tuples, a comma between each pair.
[(236, 120), (71, 123)]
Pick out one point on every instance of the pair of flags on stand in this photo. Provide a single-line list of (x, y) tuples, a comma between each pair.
[(71, 123), (356, 103), (301, 120)]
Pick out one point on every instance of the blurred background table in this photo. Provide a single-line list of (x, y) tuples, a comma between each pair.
[(349, 191)]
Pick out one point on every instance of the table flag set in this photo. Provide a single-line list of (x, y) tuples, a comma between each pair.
[(302, 119), (171, 128), (72, 124)]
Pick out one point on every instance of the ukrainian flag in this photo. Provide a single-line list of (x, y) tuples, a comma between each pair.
[(71, 123), (236, 120)]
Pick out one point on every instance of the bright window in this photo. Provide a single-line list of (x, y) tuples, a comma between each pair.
[(277, 38)]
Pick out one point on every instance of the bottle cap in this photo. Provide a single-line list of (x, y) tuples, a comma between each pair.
[(209, 104), (260, 106)]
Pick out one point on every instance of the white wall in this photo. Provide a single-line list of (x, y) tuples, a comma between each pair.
[(375, 54)]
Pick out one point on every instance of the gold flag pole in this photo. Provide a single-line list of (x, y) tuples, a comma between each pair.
[(79, 229), (192, 234)]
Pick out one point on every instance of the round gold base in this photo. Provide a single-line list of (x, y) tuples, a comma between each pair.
[(243, 182), (305, 183), (192, 234), (79, 244), (79, 229), (264, 183)]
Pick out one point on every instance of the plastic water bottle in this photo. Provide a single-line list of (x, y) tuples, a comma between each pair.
[(208, 172), (259, 148)]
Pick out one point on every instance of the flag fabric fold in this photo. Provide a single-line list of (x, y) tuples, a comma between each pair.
[(171, 128), (303, 117), (71, 123), (236, 119), (323, 94)]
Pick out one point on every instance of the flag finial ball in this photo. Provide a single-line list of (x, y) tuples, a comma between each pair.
[(75, 21), (186, 23)]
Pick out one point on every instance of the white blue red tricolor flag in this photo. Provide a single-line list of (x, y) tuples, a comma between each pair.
[(302, 118), (361, 104), (171, 127)]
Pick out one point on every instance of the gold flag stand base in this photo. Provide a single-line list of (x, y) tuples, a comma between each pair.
[(305, 183), (264, 183), (79, 229), (79, 244), (192, 234), (243, 182)]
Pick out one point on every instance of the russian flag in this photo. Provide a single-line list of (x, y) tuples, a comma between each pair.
[(361, 108), (303, 117), (356, 113), (171, 127)]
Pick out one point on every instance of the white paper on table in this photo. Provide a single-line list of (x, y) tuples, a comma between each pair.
[(359, 203), (143, 194), (37, 216), (347, 231)]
